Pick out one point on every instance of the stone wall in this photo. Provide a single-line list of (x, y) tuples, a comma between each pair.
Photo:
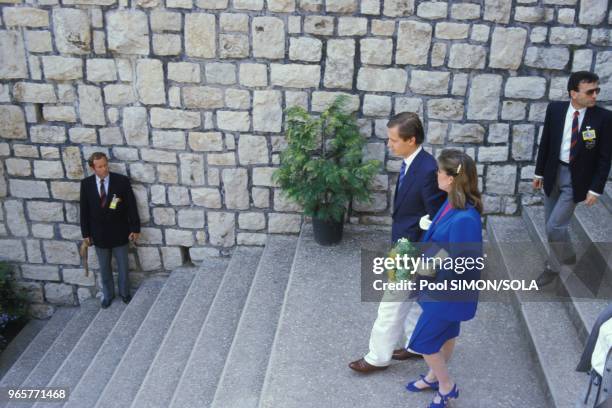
[(187, 98)]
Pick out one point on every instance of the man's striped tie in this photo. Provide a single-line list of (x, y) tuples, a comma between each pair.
[(402, 174), (102, 194), (574, 136)]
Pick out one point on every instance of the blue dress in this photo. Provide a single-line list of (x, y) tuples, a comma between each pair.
[(459, 232)]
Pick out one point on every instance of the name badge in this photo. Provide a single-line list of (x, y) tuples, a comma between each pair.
[(589, 134), (589, 137), (114, 202)]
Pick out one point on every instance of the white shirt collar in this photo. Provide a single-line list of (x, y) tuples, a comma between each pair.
[(408, 160), (105, 179), (572, 109)]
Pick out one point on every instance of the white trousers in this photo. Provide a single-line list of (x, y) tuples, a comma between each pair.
[(395, 322)]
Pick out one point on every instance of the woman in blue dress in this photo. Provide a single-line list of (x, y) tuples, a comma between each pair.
[(455, 232)]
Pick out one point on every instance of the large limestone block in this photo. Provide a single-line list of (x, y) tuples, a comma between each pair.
[(485, 92), (267, 111), (91, 107), (235, 183), (128, 32), (192, 169), (295, 75), (174, 118), (72, 31), (339, 66), (547, 58), (135, 127), (593, 12), (498, 11), (200, 35), (25, 17), (150, 82), (221, 228), (252, 150), (467, 56), (507, 48), (62, 68), (525, 87), (382, 80), (413, 42), (34, 93), (203, 97), (398, 8), (13, 63), (268, 34), (429, 82), (12, 122)]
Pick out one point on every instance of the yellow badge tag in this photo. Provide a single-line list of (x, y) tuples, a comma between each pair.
[(114, 202), (589, 134)]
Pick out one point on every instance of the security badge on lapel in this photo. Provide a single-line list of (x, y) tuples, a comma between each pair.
[(114, 202), (589, 137)]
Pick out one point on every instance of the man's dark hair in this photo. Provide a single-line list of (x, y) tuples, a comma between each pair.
[(580, 76), (408, 125), (96, 156)]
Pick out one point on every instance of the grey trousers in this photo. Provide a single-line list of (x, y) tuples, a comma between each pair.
[(559, 207), (104, 258)]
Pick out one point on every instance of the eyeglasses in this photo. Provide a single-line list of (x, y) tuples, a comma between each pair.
[(590, 92)]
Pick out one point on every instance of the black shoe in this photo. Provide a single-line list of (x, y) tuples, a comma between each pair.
[(569, 261), (126, 299), (546, 277), (106, 303)]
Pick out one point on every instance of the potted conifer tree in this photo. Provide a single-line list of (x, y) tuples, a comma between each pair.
[(322, 168)]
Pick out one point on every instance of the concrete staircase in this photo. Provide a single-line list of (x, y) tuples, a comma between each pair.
[(557, 319), (276, 327)]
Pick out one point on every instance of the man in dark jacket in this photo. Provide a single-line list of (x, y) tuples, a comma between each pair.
[(109, 220), (573, 163), (416, 195)]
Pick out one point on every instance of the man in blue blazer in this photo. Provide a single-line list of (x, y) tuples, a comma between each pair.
[(416, 195), (573, 163)]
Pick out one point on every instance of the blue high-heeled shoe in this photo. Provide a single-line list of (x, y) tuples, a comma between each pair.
[(430, 385), (454, 394)]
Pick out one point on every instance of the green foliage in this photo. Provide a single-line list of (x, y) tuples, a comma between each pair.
[(322, 167)]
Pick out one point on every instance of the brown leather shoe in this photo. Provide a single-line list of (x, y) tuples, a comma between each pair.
[(364, 367), (403, 354)]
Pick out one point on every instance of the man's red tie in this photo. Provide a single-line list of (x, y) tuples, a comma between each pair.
[(102, 194), (574, 136)]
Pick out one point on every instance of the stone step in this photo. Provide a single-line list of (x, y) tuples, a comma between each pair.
[(60, 349), (35, 351), (81, 356), (606, 197), (17, 346), (553, 336), (325, 325), (583, 305), (250, 351), (165, 371), (199, 380), (127, 378), (95, 378), (595, 223)]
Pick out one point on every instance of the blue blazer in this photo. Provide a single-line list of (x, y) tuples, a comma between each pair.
[(459, 232), (591, 166), (418, 195)]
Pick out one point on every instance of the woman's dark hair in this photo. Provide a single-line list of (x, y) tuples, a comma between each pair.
[(576, 78), (464, 188), (96, 156), (409, 125)]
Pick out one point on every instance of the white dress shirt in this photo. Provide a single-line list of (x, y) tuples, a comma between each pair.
[(408, 160), (566, 142), (98, 179)]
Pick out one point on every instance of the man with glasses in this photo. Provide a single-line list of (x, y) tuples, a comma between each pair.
[(572, 165)]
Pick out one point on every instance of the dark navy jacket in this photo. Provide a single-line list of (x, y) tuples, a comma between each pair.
[(418, 195), (590, 167), (107, 227)]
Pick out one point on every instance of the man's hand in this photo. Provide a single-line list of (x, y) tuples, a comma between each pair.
[(88, 241), (538, 183), (134, 236), (590, 199)]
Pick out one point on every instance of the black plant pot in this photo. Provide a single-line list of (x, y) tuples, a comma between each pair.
[(327, 232)]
